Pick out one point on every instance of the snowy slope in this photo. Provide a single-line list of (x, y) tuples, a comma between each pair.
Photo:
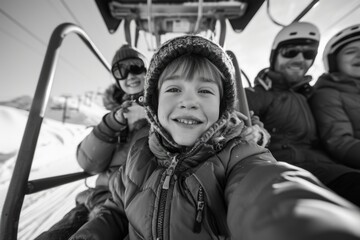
[(55, 155)]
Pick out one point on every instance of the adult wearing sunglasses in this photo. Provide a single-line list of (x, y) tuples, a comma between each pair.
[(107, 145), (280, 99), (336, 101)]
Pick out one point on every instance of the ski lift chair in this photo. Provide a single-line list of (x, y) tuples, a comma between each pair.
[(157, 18)]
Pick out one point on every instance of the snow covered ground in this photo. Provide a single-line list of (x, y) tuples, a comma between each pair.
[(55, 155)]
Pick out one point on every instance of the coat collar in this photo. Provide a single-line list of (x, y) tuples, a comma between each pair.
[(338, 81), (270, 79), (213, 140)]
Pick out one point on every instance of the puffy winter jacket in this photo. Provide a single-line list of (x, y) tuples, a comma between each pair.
[(221, 187), (102, 152), (237, 193), (107, 146), (287, 116), (336, 107)]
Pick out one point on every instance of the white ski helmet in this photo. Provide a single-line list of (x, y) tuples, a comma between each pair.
[(295, 33), (336, 43)]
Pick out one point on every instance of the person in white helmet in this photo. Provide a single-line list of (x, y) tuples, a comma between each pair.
[(280, 99), (336, 100)]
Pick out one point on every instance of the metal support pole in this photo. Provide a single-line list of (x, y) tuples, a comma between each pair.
[(18, 184)]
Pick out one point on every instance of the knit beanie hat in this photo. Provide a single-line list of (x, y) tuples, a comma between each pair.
[(127, 52), (179, 46), (189, 44)]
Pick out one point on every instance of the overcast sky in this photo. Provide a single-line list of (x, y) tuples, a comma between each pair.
[(26, 26)]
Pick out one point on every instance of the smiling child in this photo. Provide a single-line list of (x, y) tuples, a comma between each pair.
[(194, 177)]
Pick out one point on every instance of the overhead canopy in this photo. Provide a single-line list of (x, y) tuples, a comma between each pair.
[(159, 17)]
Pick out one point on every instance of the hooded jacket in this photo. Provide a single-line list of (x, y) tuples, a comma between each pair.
[(220, 188), (336, 107), (106, 147), (286, 114)]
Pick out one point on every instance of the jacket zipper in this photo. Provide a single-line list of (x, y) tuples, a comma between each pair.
[(200, 204), (163, 195)]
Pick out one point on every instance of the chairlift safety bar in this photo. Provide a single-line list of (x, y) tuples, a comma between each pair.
[(19, 182)]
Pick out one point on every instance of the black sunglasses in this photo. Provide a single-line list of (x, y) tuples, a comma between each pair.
[(291, 52), (121, 71)]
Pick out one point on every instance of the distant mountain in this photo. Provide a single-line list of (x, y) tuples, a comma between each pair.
[(22, 102), (77, 112)]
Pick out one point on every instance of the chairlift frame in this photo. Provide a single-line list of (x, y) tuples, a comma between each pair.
[(158, 17), (20, 184)]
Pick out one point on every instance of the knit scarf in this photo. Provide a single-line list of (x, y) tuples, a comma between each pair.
[(229, 126)]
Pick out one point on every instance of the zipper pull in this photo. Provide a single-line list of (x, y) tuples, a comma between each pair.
[(166, 183), (199, 211), (170, 172)]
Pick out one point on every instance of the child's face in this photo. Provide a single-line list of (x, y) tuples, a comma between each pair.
[(349, 59), (188, 107)]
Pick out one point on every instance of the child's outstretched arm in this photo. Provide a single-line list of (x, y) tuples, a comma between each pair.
[(278, 201)]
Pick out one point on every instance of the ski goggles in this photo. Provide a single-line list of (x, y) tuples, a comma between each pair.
[(121, 69), (309, 53)]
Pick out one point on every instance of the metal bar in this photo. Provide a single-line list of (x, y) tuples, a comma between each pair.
[(222, 31), (47, 183), (137, 30), (18, 184), (127, 31), (242, 104), (199, 16), (149, 19), (246, 77), (149, 15), (157, 39), (306, 10)]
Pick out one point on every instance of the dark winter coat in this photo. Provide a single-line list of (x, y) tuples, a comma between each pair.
[(336, 107), (219, 188), (287, 116), (238, 193)]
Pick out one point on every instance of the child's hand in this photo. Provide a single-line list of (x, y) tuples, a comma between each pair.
[(119, 115), (251, 134), (256, 134), (134, 113), (255, 120), (241, 116), (119, 112)]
